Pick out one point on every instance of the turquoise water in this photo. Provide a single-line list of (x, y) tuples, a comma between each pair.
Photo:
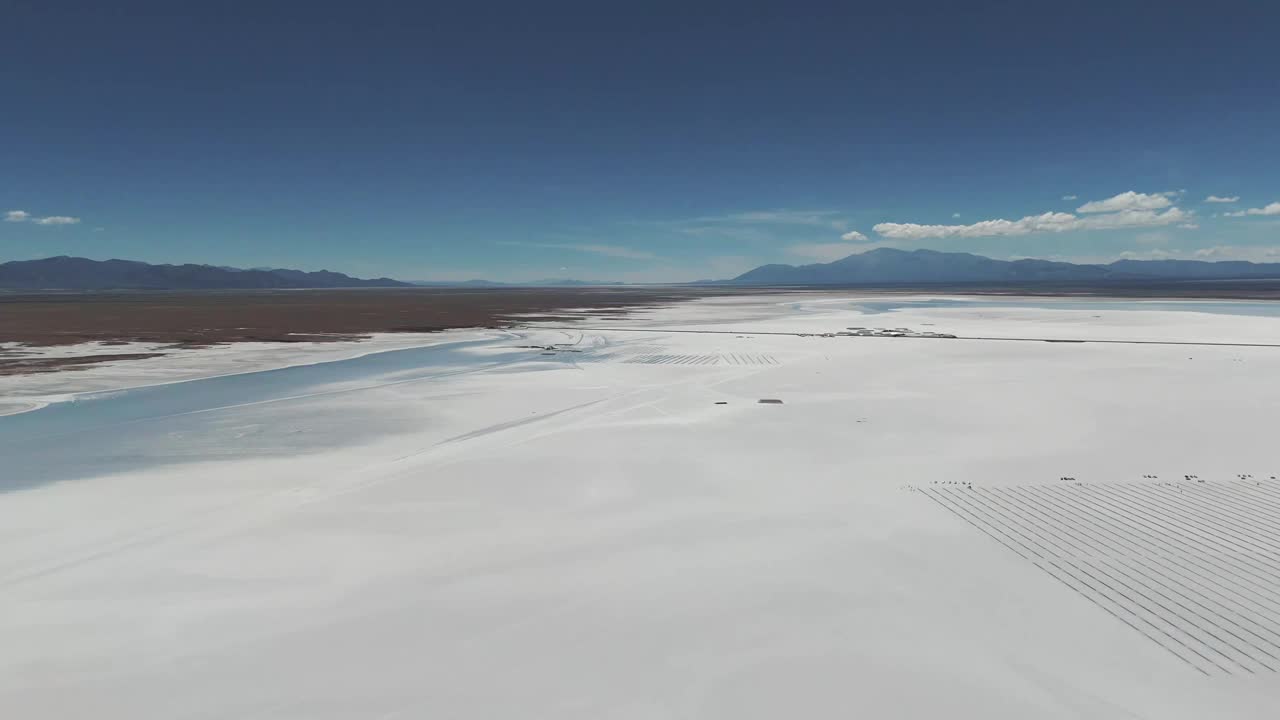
[(185, 421), (1224, 307)]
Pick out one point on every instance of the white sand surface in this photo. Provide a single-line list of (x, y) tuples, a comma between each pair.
[(591, 535)]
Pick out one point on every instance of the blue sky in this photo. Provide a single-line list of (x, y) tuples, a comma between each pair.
[(645, 142)]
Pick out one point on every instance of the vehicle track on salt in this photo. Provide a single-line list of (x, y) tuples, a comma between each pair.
[(1192, 566)]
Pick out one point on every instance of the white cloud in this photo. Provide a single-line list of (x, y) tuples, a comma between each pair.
[(1152, 254), (1046, 222), (1070, 197), (24, 216), (955, 215), (1127, 201), (1217, 199), (1272, 209), (1134, 218), (1252, 253), (1190, 226), (854, 236)]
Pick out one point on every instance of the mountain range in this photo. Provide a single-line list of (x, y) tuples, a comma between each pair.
[(73, 273), (888, 266), (881, 266)]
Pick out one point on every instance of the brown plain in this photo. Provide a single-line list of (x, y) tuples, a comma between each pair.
[(195, 319)]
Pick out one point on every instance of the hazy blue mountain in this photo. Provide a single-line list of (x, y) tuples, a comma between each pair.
[(72, 273), (1196, 269), (890, 266)]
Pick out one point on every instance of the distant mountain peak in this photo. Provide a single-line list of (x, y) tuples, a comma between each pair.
[(887, 266), (75, 273)]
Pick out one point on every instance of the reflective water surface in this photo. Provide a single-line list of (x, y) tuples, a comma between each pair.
[(119, 430)]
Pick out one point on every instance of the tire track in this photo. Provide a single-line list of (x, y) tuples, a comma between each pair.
[(1194, 569)]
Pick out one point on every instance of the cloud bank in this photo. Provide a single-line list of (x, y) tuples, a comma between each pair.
[(1126, 210), (1272, 209), (1252, 253), (1126, 201), (17, 216)]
